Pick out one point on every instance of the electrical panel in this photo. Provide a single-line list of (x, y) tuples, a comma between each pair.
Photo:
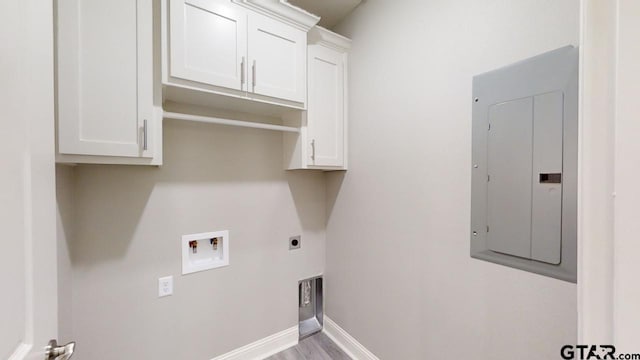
[(524, 165)]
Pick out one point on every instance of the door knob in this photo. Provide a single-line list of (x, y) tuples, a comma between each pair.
[(55, 352)]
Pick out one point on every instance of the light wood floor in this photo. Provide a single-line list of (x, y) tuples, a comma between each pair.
[(316, 347)]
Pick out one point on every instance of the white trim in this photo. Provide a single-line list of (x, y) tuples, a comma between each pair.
[(283, 11), (596, 156), (346, 342), (264, 348), (320, 35)]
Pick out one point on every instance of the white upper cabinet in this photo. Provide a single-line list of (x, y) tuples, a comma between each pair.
[(322, 141), (208, 42), (238, 54), (105, 93), (326, 107), (277, 54)]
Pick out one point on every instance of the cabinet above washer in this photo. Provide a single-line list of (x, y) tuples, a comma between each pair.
[(235, 55), (107, 108)]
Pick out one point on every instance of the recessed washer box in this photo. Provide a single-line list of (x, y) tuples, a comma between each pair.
[(204, 251), (524, 165)]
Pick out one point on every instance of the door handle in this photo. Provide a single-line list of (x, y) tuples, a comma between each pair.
[(55, 352), (550, 178), (313, 149), (253, 70), (242, 73), (145, 135)]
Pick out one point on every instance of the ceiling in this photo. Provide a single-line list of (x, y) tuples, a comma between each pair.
[(330, 11)]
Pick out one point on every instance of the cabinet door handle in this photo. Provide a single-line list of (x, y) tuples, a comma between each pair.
[(313, 149), (253, 70), (145, 132), (242, 73)]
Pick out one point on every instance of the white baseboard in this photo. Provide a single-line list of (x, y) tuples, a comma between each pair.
[(283, 340), (346, 342), (264, 348)]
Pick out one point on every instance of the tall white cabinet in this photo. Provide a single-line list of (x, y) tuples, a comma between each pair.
[(322, 141), (105, 92)]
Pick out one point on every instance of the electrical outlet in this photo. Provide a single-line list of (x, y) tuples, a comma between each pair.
[(295, 242), (165, 286)]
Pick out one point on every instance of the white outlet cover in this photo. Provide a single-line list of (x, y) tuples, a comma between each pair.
[(165, 286), (205, 257)]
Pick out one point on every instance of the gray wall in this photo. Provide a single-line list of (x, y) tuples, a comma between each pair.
[(124, 232), (399, 275), (65, 213)]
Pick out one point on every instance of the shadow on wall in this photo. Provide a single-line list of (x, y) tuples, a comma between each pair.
[(65, 182), (334, 184), (307, 203), (205, 167)]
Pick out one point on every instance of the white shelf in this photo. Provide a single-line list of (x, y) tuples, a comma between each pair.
[(229, 122)]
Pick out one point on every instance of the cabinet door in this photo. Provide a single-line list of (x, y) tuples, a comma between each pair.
[(326, 107), (277, 56), (208, 42), (105, 94)]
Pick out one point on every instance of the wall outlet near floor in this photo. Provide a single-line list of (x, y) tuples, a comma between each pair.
[(165, 286), (295, 242)]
